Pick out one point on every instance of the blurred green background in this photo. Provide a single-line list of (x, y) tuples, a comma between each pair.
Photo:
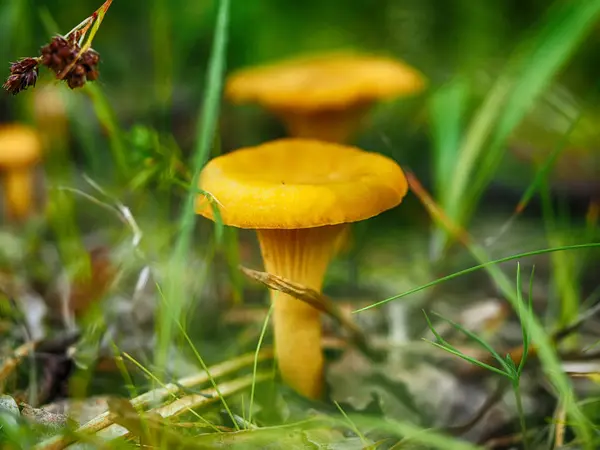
[(510, 82), (154, 56), (135, 130)]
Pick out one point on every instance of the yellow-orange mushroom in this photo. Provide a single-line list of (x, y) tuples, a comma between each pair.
[(300, 194), (324, 97), (20, 151)]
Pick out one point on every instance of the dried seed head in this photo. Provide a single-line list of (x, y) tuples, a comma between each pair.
[(92, 75), (75, 81), (91, 58), (23, 74), (78, 70), (13, 84), (30, 78), (73, 38), (58, 55), (61, 53), (24, 65)]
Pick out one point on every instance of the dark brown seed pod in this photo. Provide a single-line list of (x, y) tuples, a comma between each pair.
[(74, 81), (24, 65), (23, 74), (79, 70), (91, 57), (93, 75), (58, 55)]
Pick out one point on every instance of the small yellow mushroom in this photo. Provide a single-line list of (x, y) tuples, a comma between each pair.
[(20, 151), (299, 195), (324, 97)]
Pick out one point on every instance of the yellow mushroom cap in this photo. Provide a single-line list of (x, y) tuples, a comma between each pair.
[(300, 183), (20, 146), (324, 82)]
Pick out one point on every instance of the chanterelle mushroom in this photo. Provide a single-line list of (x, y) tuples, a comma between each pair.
[(324, 97), (299, 194), (20, 150)]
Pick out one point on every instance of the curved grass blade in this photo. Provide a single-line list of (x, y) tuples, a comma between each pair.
[(479, 267), (263, 331), (533, 66), (207, 125), (442, 344)]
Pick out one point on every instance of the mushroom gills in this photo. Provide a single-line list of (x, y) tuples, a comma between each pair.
[(302, 256)]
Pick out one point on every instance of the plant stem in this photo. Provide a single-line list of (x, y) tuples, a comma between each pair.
[(520, 412)]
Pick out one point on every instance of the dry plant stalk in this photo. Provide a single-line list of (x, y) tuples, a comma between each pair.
[(105, 419), (209, 396), (189, 402), (560, 424), (9, 364), (437, 213), (318, 301), (12, 362)]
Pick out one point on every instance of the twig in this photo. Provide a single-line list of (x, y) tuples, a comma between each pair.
[(32, 349), (559, 431), (504, 441), (318, 301), (104, 420), (193, 401), (11, 363), (44, 345), (208, 396), (480, 414), (437, 213)]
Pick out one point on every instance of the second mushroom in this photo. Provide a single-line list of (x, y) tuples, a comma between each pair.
[(299, 195), (324, 97), (20, 151)]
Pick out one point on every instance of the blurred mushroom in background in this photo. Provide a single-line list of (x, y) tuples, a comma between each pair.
[(20, 152), (50, 114), (324, 97)]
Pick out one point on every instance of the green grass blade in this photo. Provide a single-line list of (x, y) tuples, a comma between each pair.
[(467, 358), (207, 124), (108, 119), (446, 109), (163, 55), (525, 325), (484, 265), (263, 331), (15, 30), (210, 377), (352, 425), (532, 68), (544, 170), (413, 434), (476, 339), (547, 355), (565, 278), (447, 347)]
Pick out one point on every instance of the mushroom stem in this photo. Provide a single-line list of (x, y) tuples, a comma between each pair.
[(333, 125), (18, 192), (300, 255)]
